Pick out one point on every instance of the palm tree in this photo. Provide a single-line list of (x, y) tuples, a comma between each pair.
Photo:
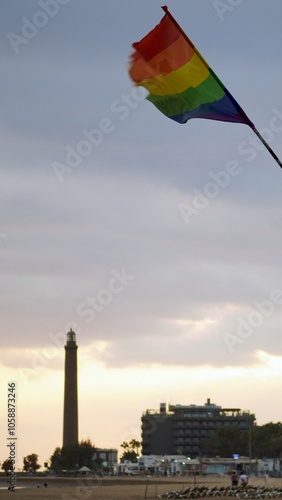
[(125, 446), (135, 444)]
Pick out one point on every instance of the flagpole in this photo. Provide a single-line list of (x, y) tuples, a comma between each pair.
[(267, 147), (235, 103)]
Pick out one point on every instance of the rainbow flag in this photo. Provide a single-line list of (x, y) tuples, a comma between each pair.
[(180, 82)]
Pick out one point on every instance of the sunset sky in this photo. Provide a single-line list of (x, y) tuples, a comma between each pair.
[(160, 245)]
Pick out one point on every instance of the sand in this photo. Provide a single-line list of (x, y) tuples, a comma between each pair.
[(111, 488)]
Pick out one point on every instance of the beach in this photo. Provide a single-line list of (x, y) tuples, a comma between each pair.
[(112, 488)]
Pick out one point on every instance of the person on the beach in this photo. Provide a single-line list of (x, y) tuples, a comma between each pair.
[(244, 478), (234, 479)]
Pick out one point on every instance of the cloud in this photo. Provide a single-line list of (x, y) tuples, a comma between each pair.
[(117, 210)]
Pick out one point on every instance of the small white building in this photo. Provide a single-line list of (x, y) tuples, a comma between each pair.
[(128, 468), (165, 465)]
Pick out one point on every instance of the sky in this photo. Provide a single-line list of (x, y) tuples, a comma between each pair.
[(158, 243)]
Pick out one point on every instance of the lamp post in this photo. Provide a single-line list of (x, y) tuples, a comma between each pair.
[(250, 448)]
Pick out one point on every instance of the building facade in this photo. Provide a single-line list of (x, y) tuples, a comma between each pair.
[(180, 465), (182, 429), (70, 429), (108, 456)]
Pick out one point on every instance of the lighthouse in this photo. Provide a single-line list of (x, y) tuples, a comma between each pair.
[(70, 430)]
